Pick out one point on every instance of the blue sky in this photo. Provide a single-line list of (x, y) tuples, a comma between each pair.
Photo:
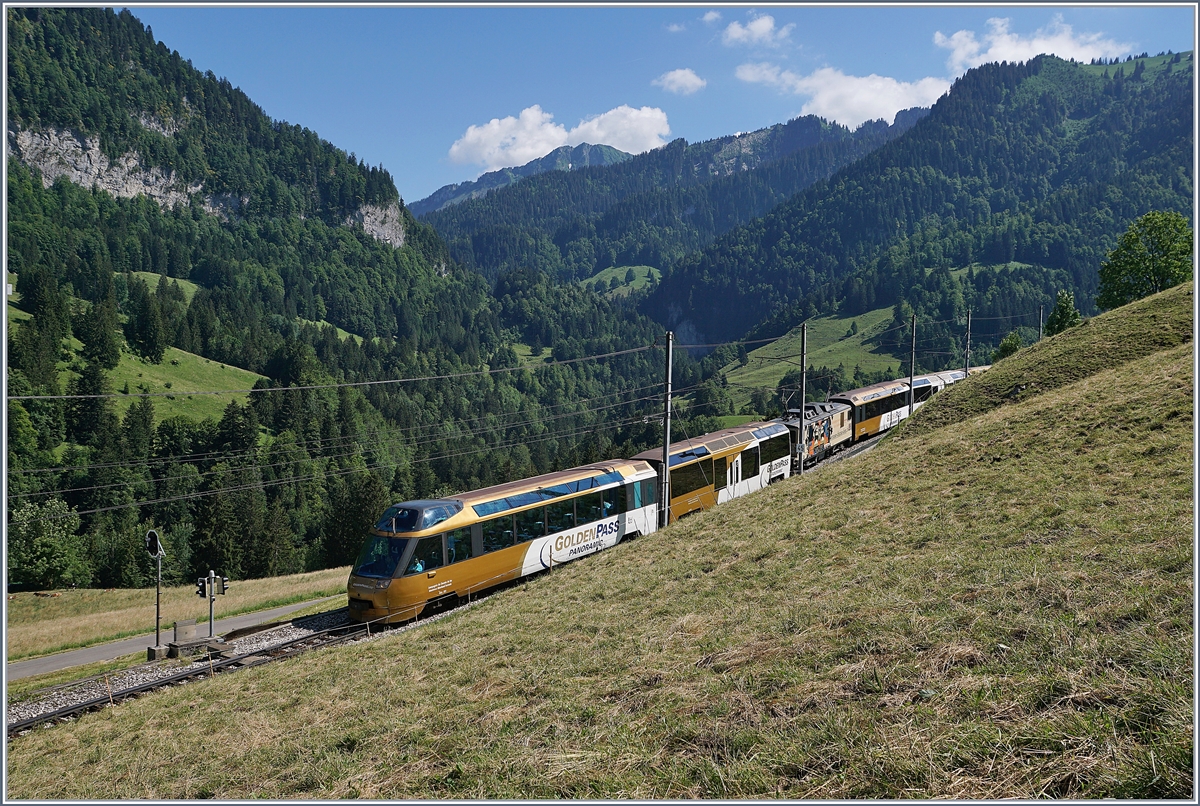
[(440, 95)]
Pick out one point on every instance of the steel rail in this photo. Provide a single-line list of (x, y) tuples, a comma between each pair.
[(282, 651)]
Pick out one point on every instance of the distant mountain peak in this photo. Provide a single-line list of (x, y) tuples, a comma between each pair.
[(563, 158)]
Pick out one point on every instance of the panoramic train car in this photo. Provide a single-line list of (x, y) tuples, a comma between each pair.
[(924, 387), (714, 468), (452, 548), (825, 429), (875, 408)]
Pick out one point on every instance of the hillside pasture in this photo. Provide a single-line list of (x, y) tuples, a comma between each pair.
[(1000, 610)]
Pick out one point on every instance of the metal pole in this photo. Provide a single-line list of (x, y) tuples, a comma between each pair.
[(912, 367), (664, 507), (1041, 309), (158, 603), (212, 597), (803, 394), (967, 368)]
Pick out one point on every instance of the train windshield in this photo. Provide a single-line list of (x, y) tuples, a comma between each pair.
[(380, 556)]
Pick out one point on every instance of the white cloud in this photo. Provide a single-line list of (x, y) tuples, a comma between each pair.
[(676, 27), (626, 128), (510, 141), (681, 82), (1000, 44), (849, 100), (711, 17), (759, 31)]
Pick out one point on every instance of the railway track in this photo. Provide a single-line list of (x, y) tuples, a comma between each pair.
[(63, 703), (82, 696)]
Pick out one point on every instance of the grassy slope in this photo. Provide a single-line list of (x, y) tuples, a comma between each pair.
[(1141, 328), (642, 277), (185, 372), (828, 345), (152, 279), (1000, 609)]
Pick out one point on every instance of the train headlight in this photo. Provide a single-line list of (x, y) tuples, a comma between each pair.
[(380, 584)]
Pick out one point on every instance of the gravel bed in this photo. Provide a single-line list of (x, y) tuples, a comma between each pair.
[(90, 688)]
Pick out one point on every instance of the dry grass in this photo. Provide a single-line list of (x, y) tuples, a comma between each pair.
[(40, 625), (1000, 610)]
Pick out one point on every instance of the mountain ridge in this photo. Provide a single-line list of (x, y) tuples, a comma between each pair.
[(653, 207), (563, 158)]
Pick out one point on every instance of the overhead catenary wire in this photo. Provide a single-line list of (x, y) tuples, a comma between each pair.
[(321, 442), (431, 440), (343, 385), (341, 472)]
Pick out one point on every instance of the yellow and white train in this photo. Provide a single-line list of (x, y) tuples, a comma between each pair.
[(423, 553)]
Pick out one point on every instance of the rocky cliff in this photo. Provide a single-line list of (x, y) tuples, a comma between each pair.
[(62, 152)]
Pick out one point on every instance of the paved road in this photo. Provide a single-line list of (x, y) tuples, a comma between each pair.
[(117, 649)]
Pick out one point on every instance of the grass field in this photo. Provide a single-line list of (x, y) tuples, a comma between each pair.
[(41, 625), (181, 373), (643, 276), (1001, 608), (151, 279), (828, 345)]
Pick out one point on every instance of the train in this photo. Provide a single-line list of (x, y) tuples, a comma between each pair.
[(423, 554)]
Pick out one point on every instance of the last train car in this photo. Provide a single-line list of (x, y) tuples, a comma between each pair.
[(451, 548)]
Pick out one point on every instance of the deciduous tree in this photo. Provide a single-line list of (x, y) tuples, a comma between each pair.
[(1154, 254)]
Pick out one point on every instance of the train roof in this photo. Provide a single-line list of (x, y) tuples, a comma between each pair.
[(928, 379), (817, 410), (685, 450), (558, 478), (952, 375), (443, 513), (866, 393)]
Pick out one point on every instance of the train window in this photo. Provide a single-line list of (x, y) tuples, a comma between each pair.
[(750, 462), (588, 508), (689, 478), (649, 492), (458, 545), (427, 556), (498, 533), (720, 473), (530, 524), (614, 501), (560, 515), (774, 448), (380, 556)]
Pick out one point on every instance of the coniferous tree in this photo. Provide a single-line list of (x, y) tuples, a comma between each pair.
[(1064, 315)]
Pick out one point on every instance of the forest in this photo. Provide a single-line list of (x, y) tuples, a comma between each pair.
[(288, 480), (1015, 186)]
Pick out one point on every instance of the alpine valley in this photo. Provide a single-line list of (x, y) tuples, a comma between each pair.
[(166, 236)]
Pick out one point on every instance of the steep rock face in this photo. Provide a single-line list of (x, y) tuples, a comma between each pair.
[(61, 152), (382, 223)]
